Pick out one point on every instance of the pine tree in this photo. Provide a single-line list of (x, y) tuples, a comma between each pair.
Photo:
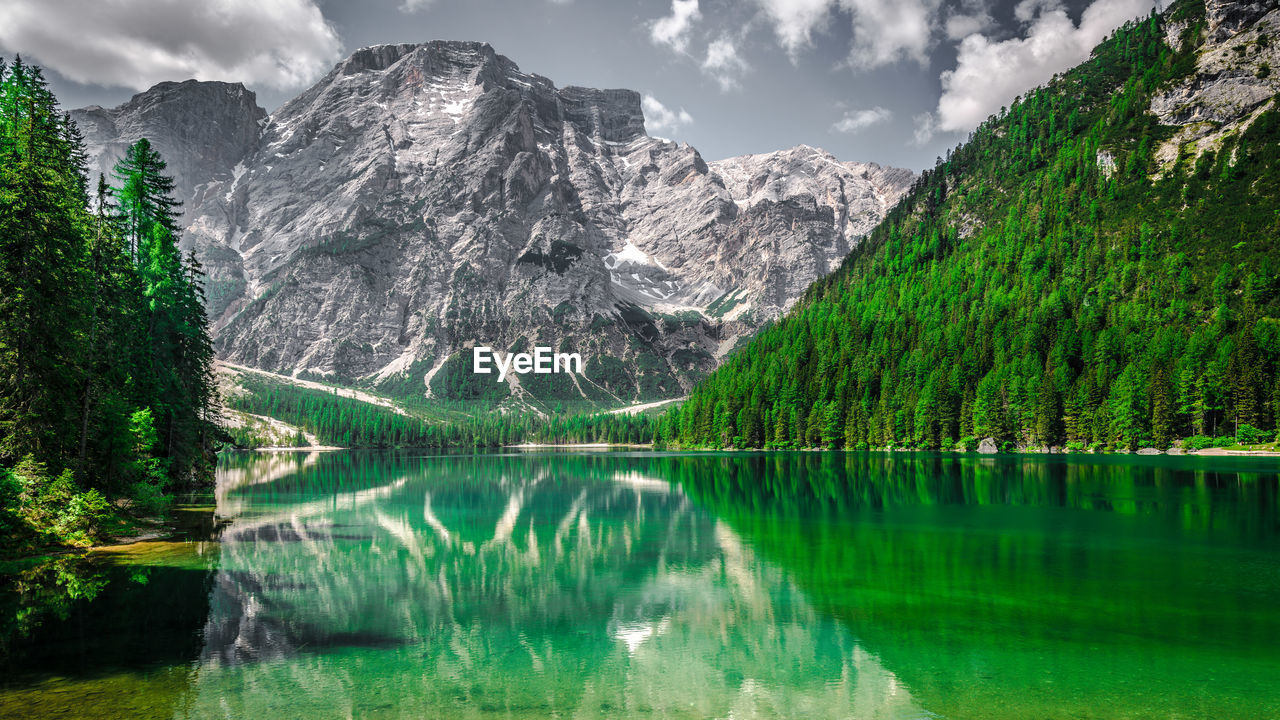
[(1162, 415), (42, 259), (1081, 272), (93, 338), (175, 378), (1049, 412), (145, 198)]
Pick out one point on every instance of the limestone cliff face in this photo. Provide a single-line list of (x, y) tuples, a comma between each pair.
[(801, 212), (202, 129), (424, 198), (1227, 17), (1236, 78)]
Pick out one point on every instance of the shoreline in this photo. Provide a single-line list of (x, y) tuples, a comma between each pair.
[(589, 446), (1206, 452), (1173, 452), (181, 524), (290, 448), (147, 530), (1223, 452), (172, 527)]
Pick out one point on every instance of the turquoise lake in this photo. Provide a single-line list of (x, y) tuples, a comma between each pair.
[(665, 585)]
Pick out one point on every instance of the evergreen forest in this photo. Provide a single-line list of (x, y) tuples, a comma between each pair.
[(1052, 283), (1048, 284), (107, 398), (344, 422)]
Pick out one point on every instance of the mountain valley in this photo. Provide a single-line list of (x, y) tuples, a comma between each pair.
[(422, 199)]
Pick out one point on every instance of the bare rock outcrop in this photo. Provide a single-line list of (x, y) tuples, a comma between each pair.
[(423, 198), (1236, 77), (202, 129)]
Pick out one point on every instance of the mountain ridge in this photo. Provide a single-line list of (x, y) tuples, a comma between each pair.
[(1094, 269), (203, 138), (423, 197)]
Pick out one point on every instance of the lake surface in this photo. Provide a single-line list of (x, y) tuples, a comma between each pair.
[(651, 585)]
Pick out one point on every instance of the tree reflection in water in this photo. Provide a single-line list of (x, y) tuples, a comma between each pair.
[(519, 585), (843, 585)]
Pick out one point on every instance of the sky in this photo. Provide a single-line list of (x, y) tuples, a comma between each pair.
[(896, 82)]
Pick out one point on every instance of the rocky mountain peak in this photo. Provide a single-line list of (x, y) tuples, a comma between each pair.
[(612, 116), (201, 128), (608, 115), (775, 176), (423, 198), (434, 57)]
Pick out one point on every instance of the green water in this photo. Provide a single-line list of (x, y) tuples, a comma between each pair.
[(601, 585)]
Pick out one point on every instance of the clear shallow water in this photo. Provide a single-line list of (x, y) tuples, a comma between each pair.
[(594, 585)]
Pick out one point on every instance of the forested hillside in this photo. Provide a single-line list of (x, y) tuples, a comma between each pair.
[(106, 392), (1047, 283), (349, 423)]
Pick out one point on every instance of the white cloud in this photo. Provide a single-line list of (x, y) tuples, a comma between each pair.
[(971, 16), (722, 61), (888, 31), (794, 21), (1028, 10), (137, 43), (856, 120), (658, 117), (724, 64), (884, 31), (925, 127), (990, 74), (673, 30), (959, 27)]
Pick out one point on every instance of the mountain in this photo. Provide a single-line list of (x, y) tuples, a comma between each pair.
[(202, 129), (1096, 267), (421, 199)]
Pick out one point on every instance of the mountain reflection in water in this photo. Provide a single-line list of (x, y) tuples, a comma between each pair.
[(525, 585), (675, 585)]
